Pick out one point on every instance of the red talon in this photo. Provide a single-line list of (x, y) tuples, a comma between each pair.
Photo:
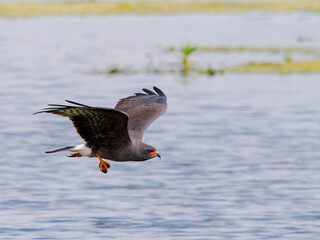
[(103, 165)]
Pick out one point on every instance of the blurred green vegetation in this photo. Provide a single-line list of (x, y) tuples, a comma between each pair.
[(29, 9), (285, 67), (187, 50), (287, 50)]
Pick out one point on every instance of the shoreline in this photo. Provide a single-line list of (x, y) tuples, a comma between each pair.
[(32, 9)]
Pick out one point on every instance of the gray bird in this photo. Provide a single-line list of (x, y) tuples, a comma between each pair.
[(114, 133)]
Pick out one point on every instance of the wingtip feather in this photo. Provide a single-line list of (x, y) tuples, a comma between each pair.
[(75, 103), (159, 91), (148, 91)]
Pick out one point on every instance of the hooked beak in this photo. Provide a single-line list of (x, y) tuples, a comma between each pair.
[(155, 154)]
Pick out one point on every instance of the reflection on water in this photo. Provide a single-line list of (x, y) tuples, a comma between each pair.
[(239, 152)]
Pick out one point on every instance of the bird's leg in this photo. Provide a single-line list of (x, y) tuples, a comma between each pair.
[(103, 165), (75, 155)]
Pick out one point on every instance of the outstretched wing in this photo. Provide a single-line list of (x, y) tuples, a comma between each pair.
[(143, 109), (97, 126)]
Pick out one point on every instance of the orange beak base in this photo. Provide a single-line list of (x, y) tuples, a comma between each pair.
[(155, 154)]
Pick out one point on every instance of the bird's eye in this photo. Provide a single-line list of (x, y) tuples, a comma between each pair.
[(150, 150)]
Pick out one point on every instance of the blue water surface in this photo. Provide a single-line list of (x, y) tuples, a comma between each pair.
[(240, 152)]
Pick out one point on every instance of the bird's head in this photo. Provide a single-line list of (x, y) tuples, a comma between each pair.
[(153, 153), (149, 152)]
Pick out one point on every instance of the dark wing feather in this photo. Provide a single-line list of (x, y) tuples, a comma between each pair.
[(97, 126), (142, 109)]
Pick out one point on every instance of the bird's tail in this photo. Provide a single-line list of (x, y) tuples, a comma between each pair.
[(61, 149)]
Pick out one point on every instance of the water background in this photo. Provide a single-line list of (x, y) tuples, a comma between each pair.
[(240, 152)]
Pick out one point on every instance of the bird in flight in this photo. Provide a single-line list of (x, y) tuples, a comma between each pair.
[(113, 133)]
